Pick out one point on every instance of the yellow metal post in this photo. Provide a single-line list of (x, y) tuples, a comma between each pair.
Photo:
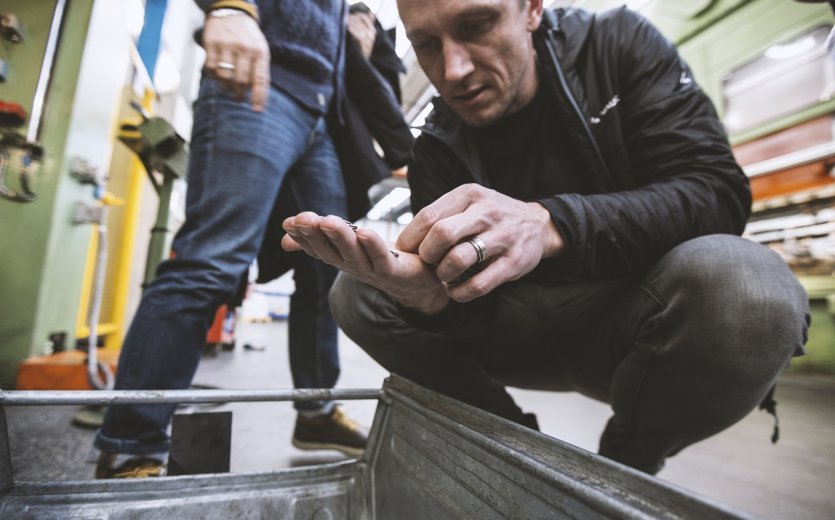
[(81, 328), (125, 257), (114, 331)]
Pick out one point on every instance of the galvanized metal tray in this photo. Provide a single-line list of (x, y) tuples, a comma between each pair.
[(428, 457)]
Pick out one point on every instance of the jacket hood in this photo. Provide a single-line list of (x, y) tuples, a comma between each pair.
[(572, 28)]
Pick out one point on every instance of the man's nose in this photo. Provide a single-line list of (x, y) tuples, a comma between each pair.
[(458, 63)]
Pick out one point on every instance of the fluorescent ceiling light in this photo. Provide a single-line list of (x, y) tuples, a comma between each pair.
[(420, 119), (393, 199), (637, 5), (792, 49)]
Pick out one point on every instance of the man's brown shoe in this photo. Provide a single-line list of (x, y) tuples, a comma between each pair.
[(134, 467), (334, 431)]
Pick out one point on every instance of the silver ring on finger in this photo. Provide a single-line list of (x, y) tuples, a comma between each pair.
[(480, 248), (223, 65)]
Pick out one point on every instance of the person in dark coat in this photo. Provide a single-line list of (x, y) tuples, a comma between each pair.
[(577, 218)]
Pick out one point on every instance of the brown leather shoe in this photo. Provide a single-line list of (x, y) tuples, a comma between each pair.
[(335, 431), (134, 467)]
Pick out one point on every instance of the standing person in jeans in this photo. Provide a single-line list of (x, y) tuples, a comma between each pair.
[(272, 70), (577, 218)]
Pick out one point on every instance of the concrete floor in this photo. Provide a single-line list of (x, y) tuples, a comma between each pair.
[(794, 479)]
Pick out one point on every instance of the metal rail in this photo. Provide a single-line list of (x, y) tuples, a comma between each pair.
[(812, 154), (111, 397), (47, 66), (428, 456)]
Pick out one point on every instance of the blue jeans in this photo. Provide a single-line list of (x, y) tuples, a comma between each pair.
[(237, 164), (680, 353)]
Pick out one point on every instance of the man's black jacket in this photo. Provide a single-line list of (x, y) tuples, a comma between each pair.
[(648, 137)]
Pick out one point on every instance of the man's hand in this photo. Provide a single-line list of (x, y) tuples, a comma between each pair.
[(516, 235), (361, 27), (238, 55), (364, 255)]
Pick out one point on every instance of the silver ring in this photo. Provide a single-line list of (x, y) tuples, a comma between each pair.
[(225, 66), (480, 248)]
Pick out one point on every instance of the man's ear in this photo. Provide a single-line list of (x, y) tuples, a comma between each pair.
[(534, 14)]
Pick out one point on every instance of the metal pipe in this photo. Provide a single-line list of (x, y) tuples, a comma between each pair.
[(157, 247), (111, 397), (93, 365), (6, 473), (820, 152), (35, 118)]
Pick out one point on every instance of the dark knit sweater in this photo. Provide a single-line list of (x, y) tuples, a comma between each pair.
[(305, 45)]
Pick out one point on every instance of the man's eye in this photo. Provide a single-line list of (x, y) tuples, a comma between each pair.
[(476, 28), (426, 45)]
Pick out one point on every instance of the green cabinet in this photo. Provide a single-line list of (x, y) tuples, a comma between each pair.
[(42, 253)]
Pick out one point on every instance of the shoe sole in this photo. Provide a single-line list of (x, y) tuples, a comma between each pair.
[(317, 446)]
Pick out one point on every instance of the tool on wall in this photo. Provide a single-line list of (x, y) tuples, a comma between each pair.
[(15, 146), (10, 31), (12, 115), (10, 28)]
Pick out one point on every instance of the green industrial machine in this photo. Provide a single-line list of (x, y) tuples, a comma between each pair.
[(67, 74), (42, 253)]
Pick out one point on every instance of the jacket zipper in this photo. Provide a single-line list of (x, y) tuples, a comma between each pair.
[(550, 22)]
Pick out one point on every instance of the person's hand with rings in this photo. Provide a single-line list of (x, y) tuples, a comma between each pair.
[(238, 55), (473, 224), (361, 27), (363, 254)]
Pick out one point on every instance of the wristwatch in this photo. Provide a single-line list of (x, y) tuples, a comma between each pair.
[(225, 12)]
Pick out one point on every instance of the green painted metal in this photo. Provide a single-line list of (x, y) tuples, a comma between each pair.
[(744, 36), (28, 229), (820, 351), (678, 20), (43, 255)]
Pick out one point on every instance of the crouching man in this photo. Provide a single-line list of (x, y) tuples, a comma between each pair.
[(577, 219)]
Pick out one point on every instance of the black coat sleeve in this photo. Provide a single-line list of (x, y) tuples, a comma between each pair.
[(377, 104)]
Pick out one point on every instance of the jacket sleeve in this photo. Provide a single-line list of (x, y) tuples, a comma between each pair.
[(684, 181), (378, 105)]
